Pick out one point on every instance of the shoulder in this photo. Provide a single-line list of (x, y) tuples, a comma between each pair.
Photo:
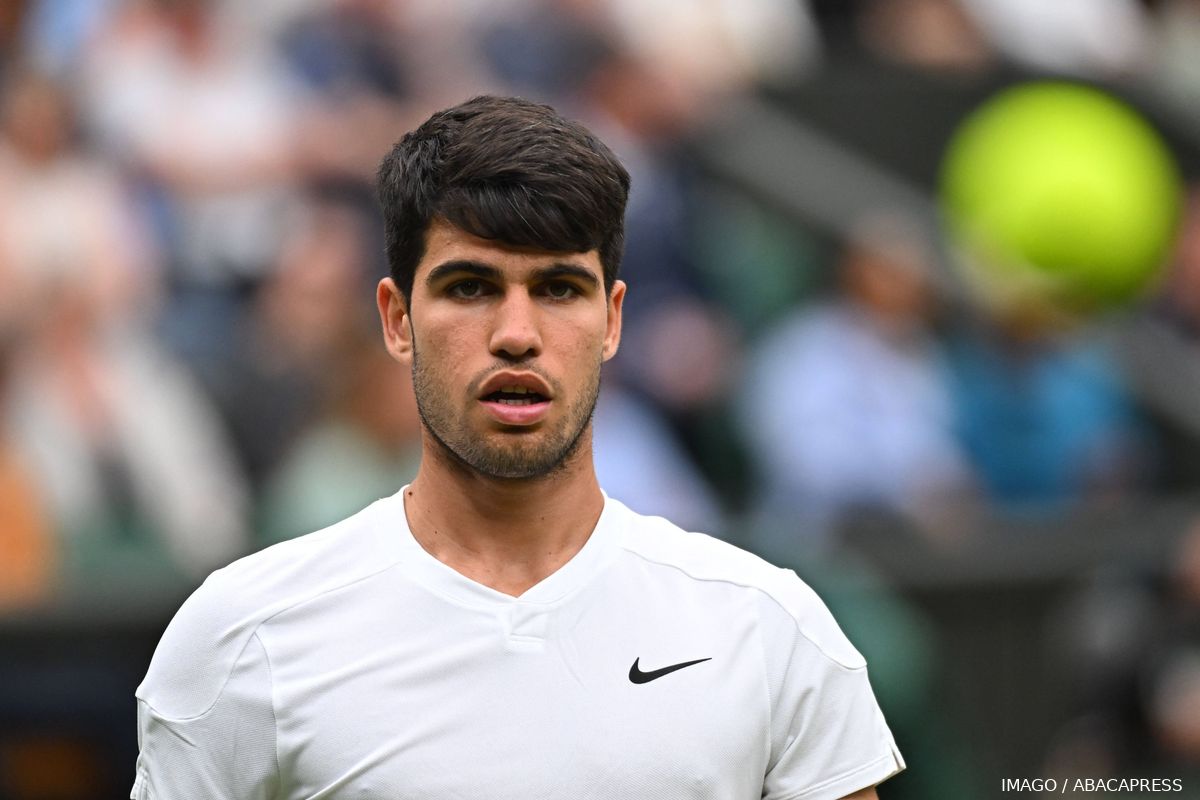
[(785, 601), (213, 628)]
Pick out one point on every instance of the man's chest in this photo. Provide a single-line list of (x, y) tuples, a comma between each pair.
[(634, 699)]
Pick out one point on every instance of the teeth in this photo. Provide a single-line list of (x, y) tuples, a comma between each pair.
[(525, 402)]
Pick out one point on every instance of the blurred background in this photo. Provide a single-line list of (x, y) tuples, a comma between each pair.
[(999, 501)]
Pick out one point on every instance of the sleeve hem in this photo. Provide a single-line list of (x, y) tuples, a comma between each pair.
[(870, 774)]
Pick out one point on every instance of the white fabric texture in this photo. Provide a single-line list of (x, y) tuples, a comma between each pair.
[(351, 663)]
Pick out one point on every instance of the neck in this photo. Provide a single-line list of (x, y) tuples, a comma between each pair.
[(507, 534)]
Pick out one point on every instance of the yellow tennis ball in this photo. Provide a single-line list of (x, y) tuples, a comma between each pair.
[(1057, 192)]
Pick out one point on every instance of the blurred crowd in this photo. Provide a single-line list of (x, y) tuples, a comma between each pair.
[(189, 240), (190, 365)]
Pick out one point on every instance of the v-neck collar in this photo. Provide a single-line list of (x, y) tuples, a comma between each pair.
[(448, 582)]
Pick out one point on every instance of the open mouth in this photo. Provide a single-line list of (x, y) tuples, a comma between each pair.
[(514, 396)]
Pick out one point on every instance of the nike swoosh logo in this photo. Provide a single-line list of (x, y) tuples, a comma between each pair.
[(637, 676)]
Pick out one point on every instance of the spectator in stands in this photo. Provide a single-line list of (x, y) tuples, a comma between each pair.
[(1045, 415), (28, 549), (641, 462), (846, 404), (281, 374), (1179, 299), (210, 123), (357, 448), (353, 59), (115, 432)]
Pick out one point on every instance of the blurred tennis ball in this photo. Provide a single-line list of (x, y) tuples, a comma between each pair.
[(1058, 195)]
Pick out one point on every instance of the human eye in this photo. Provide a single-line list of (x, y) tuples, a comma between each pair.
[(560, 290), (466, 290)]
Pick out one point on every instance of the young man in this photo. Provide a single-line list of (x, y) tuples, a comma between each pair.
[(499, 628)]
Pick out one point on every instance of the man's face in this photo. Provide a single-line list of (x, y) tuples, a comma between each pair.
[(505, 345)]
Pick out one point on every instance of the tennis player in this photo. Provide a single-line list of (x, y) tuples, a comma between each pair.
[(500, 628)]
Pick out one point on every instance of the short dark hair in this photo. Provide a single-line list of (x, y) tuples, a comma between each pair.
[(507, 169)]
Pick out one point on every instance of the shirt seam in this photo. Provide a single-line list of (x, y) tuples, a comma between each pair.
[(254, 634), (274, 716), (752, 587), (768, 734)]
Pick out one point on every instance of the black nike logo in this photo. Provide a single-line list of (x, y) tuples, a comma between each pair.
[(637, 676)]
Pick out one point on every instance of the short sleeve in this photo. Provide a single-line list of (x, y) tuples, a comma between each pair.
[(226, 751), (828, 735)]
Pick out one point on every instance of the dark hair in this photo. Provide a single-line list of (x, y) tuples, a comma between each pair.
[(506, 169)]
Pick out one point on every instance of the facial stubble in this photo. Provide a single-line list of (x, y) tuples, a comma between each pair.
[(513, 458)]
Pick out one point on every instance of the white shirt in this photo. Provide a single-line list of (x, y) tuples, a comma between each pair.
[(350, 663)]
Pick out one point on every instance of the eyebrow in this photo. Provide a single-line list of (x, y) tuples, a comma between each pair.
[(563, 270), (457, 266), (488, 272)]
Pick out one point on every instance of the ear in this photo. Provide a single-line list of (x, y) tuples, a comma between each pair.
[(393, 315), (612, 332)]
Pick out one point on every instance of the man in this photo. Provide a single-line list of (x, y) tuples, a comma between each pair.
[(500, 628)]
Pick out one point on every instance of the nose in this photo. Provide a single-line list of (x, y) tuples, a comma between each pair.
[(515, 331)]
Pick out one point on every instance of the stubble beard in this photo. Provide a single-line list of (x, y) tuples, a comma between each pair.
[(522, 456)]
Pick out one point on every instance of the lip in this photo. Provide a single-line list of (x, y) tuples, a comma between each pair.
[(516, 415)]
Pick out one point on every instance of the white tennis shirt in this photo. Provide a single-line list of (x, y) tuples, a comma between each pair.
[(350, 663)]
